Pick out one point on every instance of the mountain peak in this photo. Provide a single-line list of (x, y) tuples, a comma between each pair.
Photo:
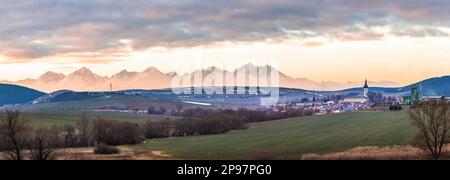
[(172, 74), (51, 76), (49, 73), (249, 65), (86, 75), (152, 70), (124, 74), (211, 69), (84, 71)]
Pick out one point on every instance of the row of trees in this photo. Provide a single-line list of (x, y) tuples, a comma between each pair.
[(249, 115), (208, 121), (16, 136), (164, 111), (214, 123)]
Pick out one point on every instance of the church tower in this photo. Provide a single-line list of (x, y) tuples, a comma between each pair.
[(366, 90)]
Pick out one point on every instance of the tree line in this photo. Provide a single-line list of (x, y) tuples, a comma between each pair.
[(18, 136), (199, 121), (252, 115)]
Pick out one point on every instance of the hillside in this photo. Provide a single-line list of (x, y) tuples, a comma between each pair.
[(439, 86), (71, 102), (142, 99), (13, 94)]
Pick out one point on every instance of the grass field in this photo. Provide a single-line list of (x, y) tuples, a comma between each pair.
[(291, 138), (70, 118), (118, 101), (67, 113)]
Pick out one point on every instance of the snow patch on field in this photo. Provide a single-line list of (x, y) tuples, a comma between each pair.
[(197, 103)]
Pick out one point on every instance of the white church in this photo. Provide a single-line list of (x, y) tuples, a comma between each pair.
[(359, 99)]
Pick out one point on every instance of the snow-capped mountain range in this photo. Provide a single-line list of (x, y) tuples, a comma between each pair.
[(151, 78)]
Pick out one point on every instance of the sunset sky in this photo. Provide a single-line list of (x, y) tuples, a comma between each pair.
[(323, 40)]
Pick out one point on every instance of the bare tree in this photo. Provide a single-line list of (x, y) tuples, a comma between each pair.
[(42, 147), (69, 136), (84, 127), (433, 120), (14, 130)]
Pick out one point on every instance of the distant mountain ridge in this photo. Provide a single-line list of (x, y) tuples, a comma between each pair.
[(151, 78), (438, 86), (13, 94)]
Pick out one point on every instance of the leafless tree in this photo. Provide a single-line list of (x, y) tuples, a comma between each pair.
[(84, 128), (69, 136), (433, 120), (14, 129), (42, 146)]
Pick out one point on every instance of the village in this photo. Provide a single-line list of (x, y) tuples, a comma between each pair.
[(321, 105)]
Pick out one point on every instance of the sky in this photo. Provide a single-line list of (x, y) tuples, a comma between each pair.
[(323, 40)]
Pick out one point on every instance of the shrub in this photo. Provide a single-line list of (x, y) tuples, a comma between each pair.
[(184, 127), (105, 149), (116, 132), (395, 107)]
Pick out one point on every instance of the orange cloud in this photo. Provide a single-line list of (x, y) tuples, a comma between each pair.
[(312, 43), (16, 56), (368, 36)]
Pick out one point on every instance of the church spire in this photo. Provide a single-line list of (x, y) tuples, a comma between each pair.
[(366, 90)]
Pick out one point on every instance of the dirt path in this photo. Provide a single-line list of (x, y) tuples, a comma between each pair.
[(88, 154), (125, 154), (376, 153)]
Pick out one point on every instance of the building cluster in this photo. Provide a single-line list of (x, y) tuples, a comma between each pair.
[(357, 101), (337, 103), (417, 96)]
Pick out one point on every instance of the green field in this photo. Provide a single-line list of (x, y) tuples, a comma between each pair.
[(69, 112), (70, 118), (289, 139), (118, 101)]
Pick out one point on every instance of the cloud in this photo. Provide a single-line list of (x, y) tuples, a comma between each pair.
[(312, 43), (35, 29)]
